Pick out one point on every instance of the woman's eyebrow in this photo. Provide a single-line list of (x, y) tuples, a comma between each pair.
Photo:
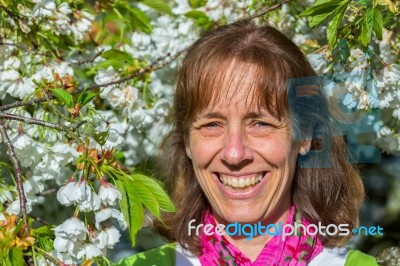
[(212, 115), (257, 114)]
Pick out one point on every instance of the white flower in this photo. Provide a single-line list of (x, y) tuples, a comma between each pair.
[(63, 244), (357, 79), (21, 88), (5, 195), (10, 75), (357, 53), (14, 207), (349, 101), (141, 118), (64, 257), (82, 25), (62, 69), (318, 62), (73, 229), (81, 192), (32, 186), (42, 261), (89, 251), (92, 203), (109, 194), (64, 153), (107, 213), (386, 99), (106, 238), (44, 8), (391, 74), (182, 7), (64, 193), (64, 8), (384, 131), (396, 113), (11, 63), (105, 76)]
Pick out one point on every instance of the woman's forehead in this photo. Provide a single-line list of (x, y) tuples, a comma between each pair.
[(233, 81), (238, 82)]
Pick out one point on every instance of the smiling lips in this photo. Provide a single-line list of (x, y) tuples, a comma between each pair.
[(240, 182)]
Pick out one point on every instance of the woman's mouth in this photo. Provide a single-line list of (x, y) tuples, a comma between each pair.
[(240, 183)]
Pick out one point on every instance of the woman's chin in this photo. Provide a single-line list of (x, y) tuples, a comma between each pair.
[(241, 217)]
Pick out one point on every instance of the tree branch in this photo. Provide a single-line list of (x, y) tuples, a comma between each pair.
[(23, 48), (69, 130), (18, 173), (47, 192), (89, 60), (268, 9), (138, 73), (33, 121), (39, 220)]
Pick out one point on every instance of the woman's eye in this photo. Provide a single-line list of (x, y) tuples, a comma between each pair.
[(211, 125), (210, 129), (261, 124)]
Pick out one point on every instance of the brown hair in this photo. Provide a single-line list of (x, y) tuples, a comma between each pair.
[(327, 193)]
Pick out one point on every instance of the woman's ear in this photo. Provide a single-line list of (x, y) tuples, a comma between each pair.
[(188, 153), (305, 147)]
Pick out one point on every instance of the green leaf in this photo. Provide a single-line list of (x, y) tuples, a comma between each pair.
[(101, 137), (63, 96), (45, 242), (158, 192), (366, 27), (322, 7), (43, 231), (316, 20), (377, 23), (334, 25), (116, 54), (85, 98), (131, 208), (197, 3), (388, 19), (16, 257), (159, 5), (115, 63), (200, 17), (139, 20), (391, 6), (146, 197)]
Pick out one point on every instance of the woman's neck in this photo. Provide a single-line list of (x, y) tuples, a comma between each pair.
[(253, 247)]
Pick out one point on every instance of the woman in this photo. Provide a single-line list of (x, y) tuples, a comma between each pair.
[(253, 143)]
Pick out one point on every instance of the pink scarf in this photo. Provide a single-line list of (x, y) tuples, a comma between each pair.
[(296, 249)]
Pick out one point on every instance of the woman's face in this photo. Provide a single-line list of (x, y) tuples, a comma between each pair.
[(244, 158)]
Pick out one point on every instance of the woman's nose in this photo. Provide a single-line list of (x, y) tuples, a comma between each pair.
[(236, 150)]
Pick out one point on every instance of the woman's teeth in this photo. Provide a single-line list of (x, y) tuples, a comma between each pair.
[(240, 182)]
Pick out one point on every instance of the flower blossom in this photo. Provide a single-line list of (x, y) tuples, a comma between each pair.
[(89, 251), (82, 25), (43, 8), (106, 238), (70, 236), (109, 194), (5, 195), (79, 193), (72, 228), (107, 213)]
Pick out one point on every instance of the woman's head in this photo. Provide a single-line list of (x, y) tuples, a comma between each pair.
[(272, 57), (240, 121)]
